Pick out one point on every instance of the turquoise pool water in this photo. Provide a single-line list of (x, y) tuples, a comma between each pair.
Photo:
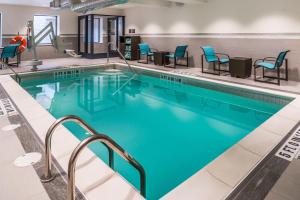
[(172, 129)]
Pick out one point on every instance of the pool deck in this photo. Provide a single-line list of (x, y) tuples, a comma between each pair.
[(48, 64), (216, 181)]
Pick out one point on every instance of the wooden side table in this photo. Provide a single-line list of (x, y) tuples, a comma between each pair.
[(159, 58), (240, 67)]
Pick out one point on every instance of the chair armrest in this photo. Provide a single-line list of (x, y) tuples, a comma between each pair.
[(154, 50), (170, 53), (269, 59), (223, 54), (258, 60)]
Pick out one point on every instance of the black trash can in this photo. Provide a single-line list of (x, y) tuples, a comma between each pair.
[(240, 67), (159, 58)]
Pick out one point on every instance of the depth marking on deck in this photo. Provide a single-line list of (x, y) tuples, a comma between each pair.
[(290, 149), (7, 108), (172, 79)]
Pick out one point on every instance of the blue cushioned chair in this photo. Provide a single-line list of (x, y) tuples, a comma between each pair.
[(215, 58), (272, 64), (8, 52), (145, 50), (180, 53)]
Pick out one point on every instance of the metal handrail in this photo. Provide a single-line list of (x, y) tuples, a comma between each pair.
[(47, 177), (109, 44), (124, 84), (18, 78), (113, 145)]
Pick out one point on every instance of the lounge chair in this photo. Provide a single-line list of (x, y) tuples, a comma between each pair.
[(145, 50), (215, 58), (272, 64), (180, 53), (8, 52)]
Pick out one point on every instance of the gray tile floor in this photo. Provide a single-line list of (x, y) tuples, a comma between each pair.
[(24, 183), (15, 182), (287, 187)]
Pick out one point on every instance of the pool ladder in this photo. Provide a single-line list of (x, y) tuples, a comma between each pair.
[(108, 142)]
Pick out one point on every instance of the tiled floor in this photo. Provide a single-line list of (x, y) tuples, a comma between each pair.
[(16, 182), (287, 188)]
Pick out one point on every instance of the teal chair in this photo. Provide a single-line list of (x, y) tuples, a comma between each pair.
[(145, 50), (8, 52), (215, 58), (272, 64), (180, 53)]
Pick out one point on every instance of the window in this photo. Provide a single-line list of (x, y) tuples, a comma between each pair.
[(41, 21), (98, 30), (0, 30)]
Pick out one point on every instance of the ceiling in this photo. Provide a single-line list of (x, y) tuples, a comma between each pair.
[(132, 3), (42, 3)]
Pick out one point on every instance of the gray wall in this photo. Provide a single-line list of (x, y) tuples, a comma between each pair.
[(245, 47)]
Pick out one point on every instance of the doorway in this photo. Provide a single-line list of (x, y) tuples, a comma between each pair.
[(96, 31)]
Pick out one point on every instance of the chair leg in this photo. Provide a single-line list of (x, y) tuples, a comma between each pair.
[(219, 65), (263, 72), (175, 62), (18, 59), (278, 76), (202, 63), (187, 59), (254, 71), (187, 62), (286, 70)]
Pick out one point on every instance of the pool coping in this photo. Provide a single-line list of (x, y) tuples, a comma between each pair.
[(215, 181)]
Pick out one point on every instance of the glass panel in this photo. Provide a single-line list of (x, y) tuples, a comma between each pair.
[(100, 42), (0, 29), (99, 31), (120, 29), (82, 35), (89, 34), (112, 32)]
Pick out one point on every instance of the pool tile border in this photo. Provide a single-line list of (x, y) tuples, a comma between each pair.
[(219, 178)]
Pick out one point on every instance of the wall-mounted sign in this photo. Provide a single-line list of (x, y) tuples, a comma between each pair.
[(290, 149), (131, 30)]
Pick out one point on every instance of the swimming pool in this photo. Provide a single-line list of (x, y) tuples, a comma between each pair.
[(172, 128)]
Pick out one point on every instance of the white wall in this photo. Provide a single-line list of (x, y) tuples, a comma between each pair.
[(15, 18), (218, 16), (109, 11)]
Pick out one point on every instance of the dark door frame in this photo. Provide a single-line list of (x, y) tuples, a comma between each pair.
[(90, 44)]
